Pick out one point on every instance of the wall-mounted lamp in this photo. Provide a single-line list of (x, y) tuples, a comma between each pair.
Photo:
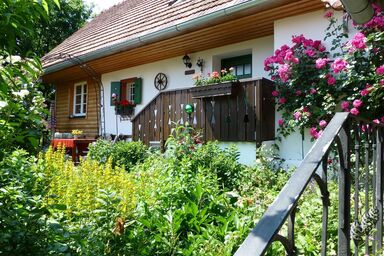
[(200, 63), (187, 61)]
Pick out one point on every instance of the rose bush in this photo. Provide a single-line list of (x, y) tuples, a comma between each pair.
[(313, 83)]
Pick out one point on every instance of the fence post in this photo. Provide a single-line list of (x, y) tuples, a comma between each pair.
[(344, 247)]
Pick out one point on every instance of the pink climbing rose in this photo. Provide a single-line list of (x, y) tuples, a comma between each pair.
[(321, 62), (282, 100), (345, 105), (275, 93), (338, 65), (297, 115), (380, 70), (357, 103), (358, 41), (354, 111), (331, 80), (323, 123), (281, 122), (284, 72)]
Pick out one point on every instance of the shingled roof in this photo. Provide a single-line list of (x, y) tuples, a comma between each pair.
[(133, 19)]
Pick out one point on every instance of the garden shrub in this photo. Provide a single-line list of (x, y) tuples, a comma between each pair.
[(123, 154)]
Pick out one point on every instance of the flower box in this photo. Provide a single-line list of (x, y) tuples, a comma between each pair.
[(125, 111), (215, 90)]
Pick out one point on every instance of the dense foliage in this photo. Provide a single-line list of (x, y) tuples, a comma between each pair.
[(122, 154), (312, 85)]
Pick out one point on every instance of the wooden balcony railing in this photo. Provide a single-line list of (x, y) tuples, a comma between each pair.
[(248, 115), (359, 146)]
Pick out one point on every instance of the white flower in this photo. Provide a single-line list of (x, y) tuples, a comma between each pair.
[(3, 104), (21, 93)]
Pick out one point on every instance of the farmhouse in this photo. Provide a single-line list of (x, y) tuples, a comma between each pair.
[(131, 70)]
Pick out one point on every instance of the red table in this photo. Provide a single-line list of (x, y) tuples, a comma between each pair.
[(77, 146)]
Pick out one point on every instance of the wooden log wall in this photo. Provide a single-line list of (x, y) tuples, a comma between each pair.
[(64, 109), (247, 116)]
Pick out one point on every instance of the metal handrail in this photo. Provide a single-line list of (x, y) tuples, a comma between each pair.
[(283, 208)]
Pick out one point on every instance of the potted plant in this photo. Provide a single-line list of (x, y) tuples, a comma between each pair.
[(77, 134), (124, 107), (217, 84)]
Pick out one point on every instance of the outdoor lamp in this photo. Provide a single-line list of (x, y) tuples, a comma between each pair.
[(361, 11), (187, 61)]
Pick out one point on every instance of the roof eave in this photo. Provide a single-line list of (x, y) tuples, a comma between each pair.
[(158, 35)]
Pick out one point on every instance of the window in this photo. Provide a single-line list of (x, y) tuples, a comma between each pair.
[(126, 90), (80, 100), (242, 65)]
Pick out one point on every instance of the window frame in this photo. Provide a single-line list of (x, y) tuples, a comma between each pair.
[(242, 60), (126, 88), (83, 109)]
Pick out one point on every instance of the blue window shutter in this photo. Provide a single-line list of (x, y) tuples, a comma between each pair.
[(115, 89), (138, 90)]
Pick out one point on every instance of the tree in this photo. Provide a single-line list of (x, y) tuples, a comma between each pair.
[(62, 23), (21, 102)]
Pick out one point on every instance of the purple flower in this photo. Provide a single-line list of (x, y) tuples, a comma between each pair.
[(321, 62), (323, 123), (357, 103), (354, 111), (338, 65)]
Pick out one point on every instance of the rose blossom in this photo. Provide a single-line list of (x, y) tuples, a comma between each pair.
[(376, 121), (284, 72), (382, 119), (275, 93), (382, 81), (364, 92), (358, 41), (338, 65), (314, 132), (281, 122), (345, 105), (328, 14), (354, 111), (357, 103), (380, 70), (298, 93), (331, 80), (282, 100), (323, 123), (310, 52), (321, 62), (313, 91), (297, 115)]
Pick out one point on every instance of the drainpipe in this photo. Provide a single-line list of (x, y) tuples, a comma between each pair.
[(361, 11), (161, 34)]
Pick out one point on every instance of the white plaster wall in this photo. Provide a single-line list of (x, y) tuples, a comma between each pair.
[(174, 69), (311, 25), (247, 151)]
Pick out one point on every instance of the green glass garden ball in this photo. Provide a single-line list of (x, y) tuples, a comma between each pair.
[(189, 109)]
